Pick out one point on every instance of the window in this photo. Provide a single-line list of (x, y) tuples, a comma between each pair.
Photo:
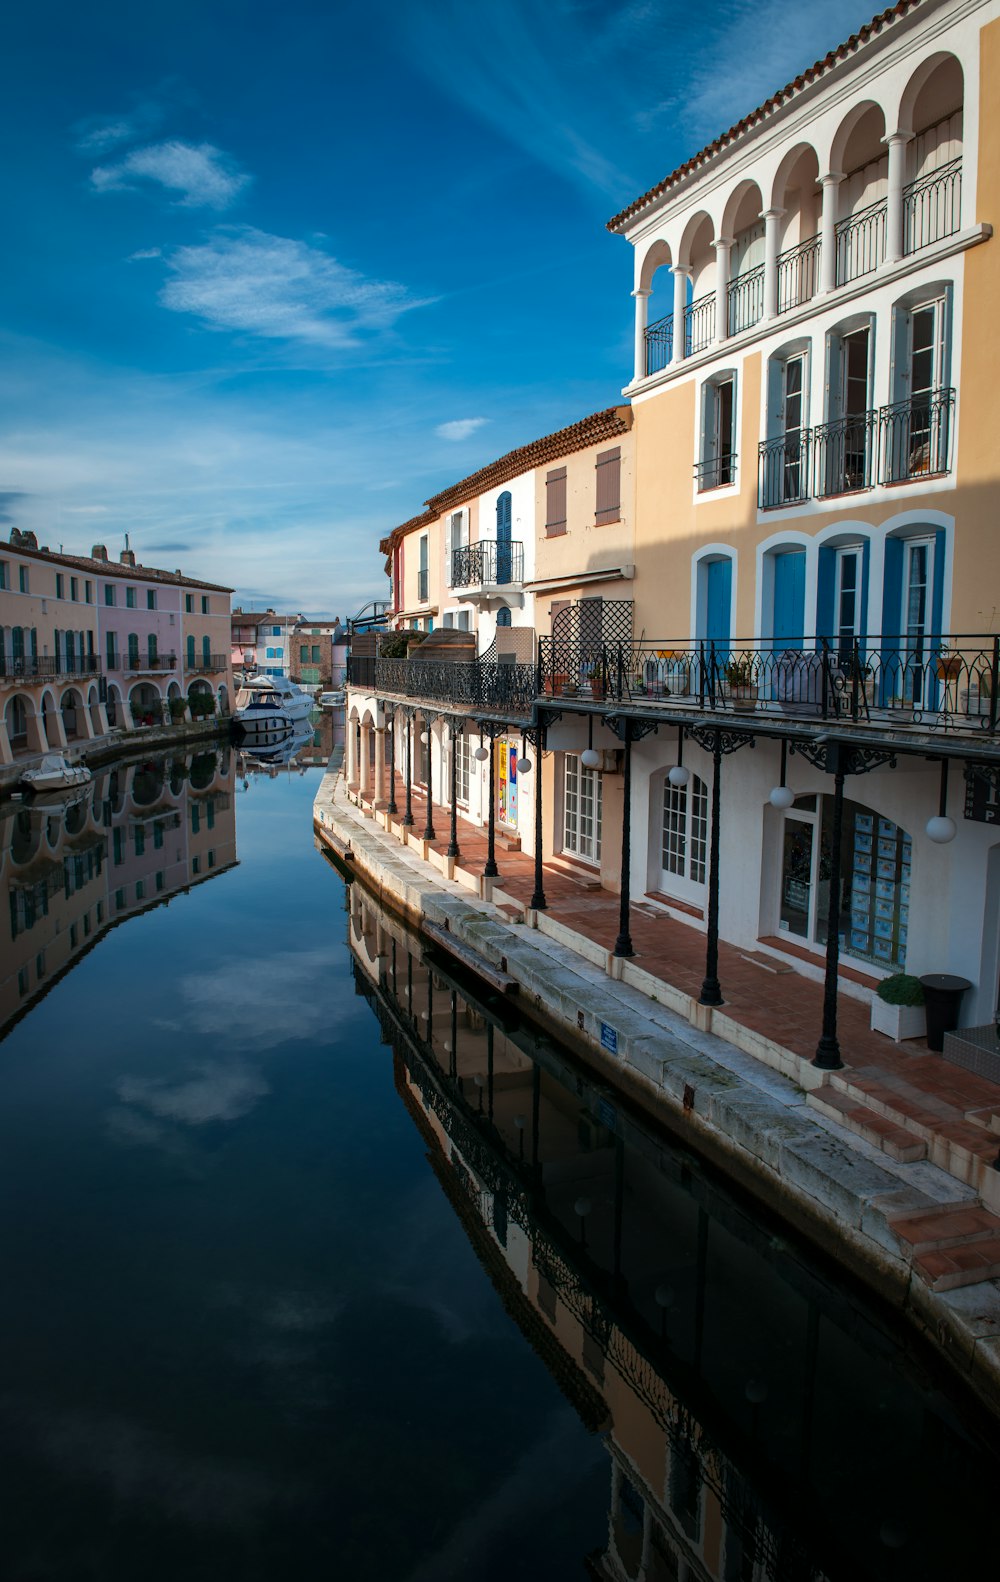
[(109, 593), (88, 591), (22, 578), (916, 428), (609, 475), (130, 598), (275, 630), (458, 539), (462, 768), (503, 616), (60, 585), (150, 598), (151, 650), (845, 443), (582, 808), (140, 841), (303, 653), (717, 466), (140, 889), (74, 588), (133, 650), (315, 653), (206, 651), (190, 652), (714, 601), (422, 569), (685, 830), (847, 597), (189, 603), (783, 476), (112, 650), (157, 837), (4, 575), (505, 554), (159, 879), (555, 501), (196, 865)]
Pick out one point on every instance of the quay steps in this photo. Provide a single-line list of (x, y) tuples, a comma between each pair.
[(951, 1245), (897, 1141)]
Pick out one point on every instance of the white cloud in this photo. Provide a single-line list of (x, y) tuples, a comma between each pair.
[(273, 286), (215, 1092), (203, 176), (97, 134), (460, 428), (145, 252)]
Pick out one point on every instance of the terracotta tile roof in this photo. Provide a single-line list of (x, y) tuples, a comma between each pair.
[(609, 424), (114, 568), (818, 69)]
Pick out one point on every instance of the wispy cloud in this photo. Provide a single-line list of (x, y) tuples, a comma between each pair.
[(282, 289), (145, 252), (203, 176), (213, 1092), (460, 428), (99, 134)]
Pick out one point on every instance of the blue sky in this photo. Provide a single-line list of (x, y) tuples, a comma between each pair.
[(273, 275)]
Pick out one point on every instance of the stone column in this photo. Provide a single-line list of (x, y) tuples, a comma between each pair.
[(37, 742), (641, 295), (772, 220), (379, 795), (365, 767), (723, 247), (897, 142), (828, 230), (681, 276), (351, 754)]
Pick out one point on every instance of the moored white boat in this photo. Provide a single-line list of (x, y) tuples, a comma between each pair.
[(331, 700), (257, 709), (290, 699), (55, 774)]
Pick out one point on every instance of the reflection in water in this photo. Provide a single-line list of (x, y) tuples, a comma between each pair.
[(762, 1421), (73, 865)]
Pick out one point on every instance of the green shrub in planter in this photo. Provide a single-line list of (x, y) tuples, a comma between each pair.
[(901, 989)]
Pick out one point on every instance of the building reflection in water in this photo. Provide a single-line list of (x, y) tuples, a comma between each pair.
[(762, 1420), (72, 866)]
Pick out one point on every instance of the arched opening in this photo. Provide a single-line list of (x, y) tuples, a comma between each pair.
[(697, 255), (113, 707), (147, 783), (94, 710), (504, 615), (932, 108), (201, 699), (797, 191), (50, 726), (859, 150), (742, 221), (16, 719), (71, 708), (714, 600), (659, 331), (145, 704)]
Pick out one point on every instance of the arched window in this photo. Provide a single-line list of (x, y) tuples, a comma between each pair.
[(684, 842), (503, 616), (504, 556)]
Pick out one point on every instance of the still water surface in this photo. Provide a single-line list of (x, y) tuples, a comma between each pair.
[(296, 1282)]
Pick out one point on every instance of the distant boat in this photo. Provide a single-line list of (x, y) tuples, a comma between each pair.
[(55, 774), (331, 700), (285, 696)]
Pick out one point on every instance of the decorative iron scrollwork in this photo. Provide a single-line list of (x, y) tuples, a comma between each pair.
[(719, 738)]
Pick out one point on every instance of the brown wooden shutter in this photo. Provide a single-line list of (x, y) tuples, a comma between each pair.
[(609, 482), (555, 607), (555, 501)]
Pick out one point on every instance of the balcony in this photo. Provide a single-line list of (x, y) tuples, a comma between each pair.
[(659, 345), (746, 300), (861, 242), (915, 437), (422, 586), (479, 688), (783, 470), (844, 453), (715, 473), (150, 664), (932, 207), (901, 443), (699, 324), (207, 664), (798, 274), (488, 564), (26, 667)]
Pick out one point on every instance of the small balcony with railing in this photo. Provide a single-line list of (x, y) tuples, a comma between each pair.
[(481, 571), (206, 664), (137, 663), (17, 667)]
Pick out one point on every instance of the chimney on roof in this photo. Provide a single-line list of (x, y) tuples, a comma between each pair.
[(127, 557), (29, 541), (178, 573), (99, 552)]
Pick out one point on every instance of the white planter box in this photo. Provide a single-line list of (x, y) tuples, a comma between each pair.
[(898, 1021)]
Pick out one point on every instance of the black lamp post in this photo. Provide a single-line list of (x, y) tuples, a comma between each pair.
[(456, 733), (827, 1056), (392, 809), (717, 741), (491, 871), (538, 902), (426, 732), (623, 944)]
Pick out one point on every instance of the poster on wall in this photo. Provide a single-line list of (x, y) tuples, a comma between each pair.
[(506, 782)]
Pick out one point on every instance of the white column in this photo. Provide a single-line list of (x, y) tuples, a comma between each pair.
[(723, 247), (641, 295), (897, 142), (827, 230), (681, 276), (365, 767), (351, 754), (379, 795), (772, 220)]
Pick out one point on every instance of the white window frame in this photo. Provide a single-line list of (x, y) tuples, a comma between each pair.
[(710, 440), (580, 785), (684, 827)]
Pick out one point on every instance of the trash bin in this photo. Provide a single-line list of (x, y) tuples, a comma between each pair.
[(942, 998)]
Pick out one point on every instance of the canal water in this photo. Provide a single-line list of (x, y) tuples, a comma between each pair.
[(317, 1261)]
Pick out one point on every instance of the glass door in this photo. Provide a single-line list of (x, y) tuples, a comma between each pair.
[(792, 428), (798, 883), (916, 617)]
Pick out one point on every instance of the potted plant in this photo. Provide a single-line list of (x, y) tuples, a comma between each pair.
[(177, 707), (898, 1007), (738, 674)]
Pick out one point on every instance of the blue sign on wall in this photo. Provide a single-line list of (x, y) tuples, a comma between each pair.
[(609, 1038)]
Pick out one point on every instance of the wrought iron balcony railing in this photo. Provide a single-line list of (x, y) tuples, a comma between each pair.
[(699, 324), (207, 663), (422, 587), (488, 563), (746, 300), (932, 206), (151, 662), (798, 274), (481, 687), (783, 470), (715, 473), (904, 679), (861, 243), (915, 437), (844, 454), (659, 344), (28, 667)]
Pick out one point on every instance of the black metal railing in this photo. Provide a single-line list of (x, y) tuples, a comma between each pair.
[(932, 206), (798, 274), (490, 562), (903, 679), (422, 587), (715, 473), (861, 242), (915, 436), (844, 454), (361, 671), (207, 663), (27, 667), (479, 687), (699, 324), (659, 344), (746, 300), (151, 662), (783, 470)]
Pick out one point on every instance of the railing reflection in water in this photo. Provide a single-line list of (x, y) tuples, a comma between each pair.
[(743, 1394)]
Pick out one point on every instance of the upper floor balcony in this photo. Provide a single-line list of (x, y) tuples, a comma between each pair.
[(478, 570), (29, 667), (206, 664), (851, 192), (136, 663)]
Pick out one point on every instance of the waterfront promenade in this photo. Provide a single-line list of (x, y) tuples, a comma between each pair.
[(888, 1163)]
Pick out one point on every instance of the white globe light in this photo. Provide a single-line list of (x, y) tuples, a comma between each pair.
[(590, 758), (482, 753), (782, 797), (424, 737), (941, 830), (679, 776), (582, 1207)]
